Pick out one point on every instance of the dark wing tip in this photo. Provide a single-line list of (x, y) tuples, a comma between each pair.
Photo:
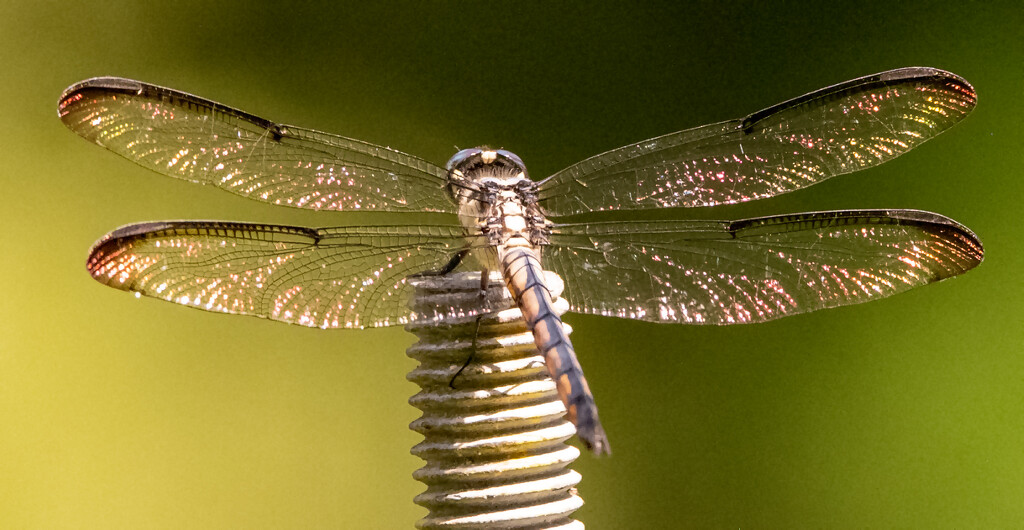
[(947, 80), (972, 251), (134, 230), (106, 85), (926, 218), (924, 73), (967, 98), (969, 248), (106, 257), (115, 254)]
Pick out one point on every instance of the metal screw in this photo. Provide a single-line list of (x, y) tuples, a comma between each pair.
[(494, 429)]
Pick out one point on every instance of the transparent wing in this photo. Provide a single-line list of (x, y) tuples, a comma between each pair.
[(328, 278), (836, 130), (198, 140), (719, 272)]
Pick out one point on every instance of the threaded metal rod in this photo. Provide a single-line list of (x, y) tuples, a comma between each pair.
[(494, 435)]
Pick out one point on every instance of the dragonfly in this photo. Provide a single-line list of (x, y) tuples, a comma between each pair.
[(492, 216)]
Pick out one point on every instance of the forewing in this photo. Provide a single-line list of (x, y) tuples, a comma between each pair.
[(835, 130), (328, 278), (714, 272), (198, 140)]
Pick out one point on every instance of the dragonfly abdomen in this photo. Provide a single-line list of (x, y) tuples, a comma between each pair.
[(525, 279)]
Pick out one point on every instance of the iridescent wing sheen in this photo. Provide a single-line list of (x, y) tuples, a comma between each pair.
[(835, 130), (720, 272), (329, 277), (198, 140)]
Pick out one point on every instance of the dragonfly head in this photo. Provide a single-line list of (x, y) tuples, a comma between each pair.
[(484, 155), (473, 169)]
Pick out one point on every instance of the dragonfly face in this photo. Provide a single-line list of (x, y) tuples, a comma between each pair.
[(495, 196), (671, 271)]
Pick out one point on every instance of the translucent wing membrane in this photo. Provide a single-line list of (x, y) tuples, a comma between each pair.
[(836, 130), (712, 272), (328, 278), (195, 139), (665, 271)]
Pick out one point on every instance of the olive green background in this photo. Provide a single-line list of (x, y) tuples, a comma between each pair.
[(125, 413)]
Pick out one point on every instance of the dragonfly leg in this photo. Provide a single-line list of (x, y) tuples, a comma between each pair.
[(448, 267), (484, 281), (472, 352), (484, 277)]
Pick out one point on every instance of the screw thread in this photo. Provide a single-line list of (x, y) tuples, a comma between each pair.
[(494, 429)]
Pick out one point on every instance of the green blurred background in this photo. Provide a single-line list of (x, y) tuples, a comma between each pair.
[(125, 413)]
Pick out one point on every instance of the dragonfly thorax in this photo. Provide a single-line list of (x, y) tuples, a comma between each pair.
[(496, 196)]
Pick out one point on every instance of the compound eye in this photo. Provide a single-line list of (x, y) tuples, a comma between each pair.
[(462, 156), (513, 157)]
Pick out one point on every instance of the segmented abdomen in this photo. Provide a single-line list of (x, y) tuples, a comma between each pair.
[(525, 279)]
